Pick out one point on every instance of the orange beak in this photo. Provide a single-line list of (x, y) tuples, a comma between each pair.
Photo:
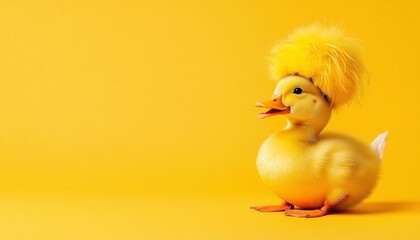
[(276, 107)]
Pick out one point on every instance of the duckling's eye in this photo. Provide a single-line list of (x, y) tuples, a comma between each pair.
[(297, 90)]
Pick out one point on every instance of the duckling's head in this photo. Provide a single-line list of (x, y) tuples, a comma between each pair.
[(326, 55), (298, 100)]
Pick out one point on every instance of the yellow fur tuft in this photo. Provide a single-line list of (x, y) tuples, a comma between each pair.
[(326, 55)]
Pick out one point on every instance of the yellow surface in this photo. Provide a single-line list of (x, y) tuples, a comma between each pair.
[(135, 120)]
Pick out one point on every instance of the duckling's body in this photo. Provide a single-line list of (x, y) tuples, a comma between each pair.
[(318, 70), (307, 170)]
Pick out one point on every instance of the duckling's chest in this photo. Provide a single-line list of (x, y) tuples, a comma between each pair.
[(285, 166), (280, 159)]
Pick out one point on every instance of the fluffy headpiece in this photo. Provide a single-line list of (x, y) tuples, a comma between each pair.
[(326, 56)]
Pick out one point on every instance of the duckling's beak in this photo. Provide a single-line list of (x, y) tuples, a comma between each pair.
[(276, 107)]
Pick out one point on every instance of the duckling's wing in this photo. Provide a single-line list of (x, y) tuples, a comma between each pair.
[(379, 143)]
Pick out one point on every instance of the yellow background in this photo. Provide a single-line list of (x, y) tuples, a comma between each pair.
[(135, 119)]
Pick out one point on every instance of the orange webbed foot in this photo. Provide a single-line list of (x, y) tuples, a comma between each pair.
[(274, 208), (306, 213), (316, 212)]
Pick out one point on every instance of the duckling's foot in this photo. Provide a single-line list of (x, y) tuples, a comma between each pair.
[(274, 208), (306, 213), (317, 212)]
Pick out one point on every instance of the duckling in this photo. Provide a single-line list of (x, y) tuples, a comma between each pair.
[(318, 70)]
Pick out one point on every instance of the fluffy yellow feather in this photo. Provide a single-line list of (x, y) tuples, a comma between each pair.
[(327, 56)]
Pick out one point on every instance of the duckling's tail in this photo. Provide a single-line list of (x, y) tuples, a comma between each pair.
[(379, 143)]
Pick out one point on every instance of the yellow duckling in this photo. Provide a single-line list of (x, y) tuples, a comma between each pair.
[(318, 70)]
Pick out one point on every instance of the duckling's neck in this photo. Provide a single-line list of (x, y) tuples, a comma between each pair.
[(304, 131)]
